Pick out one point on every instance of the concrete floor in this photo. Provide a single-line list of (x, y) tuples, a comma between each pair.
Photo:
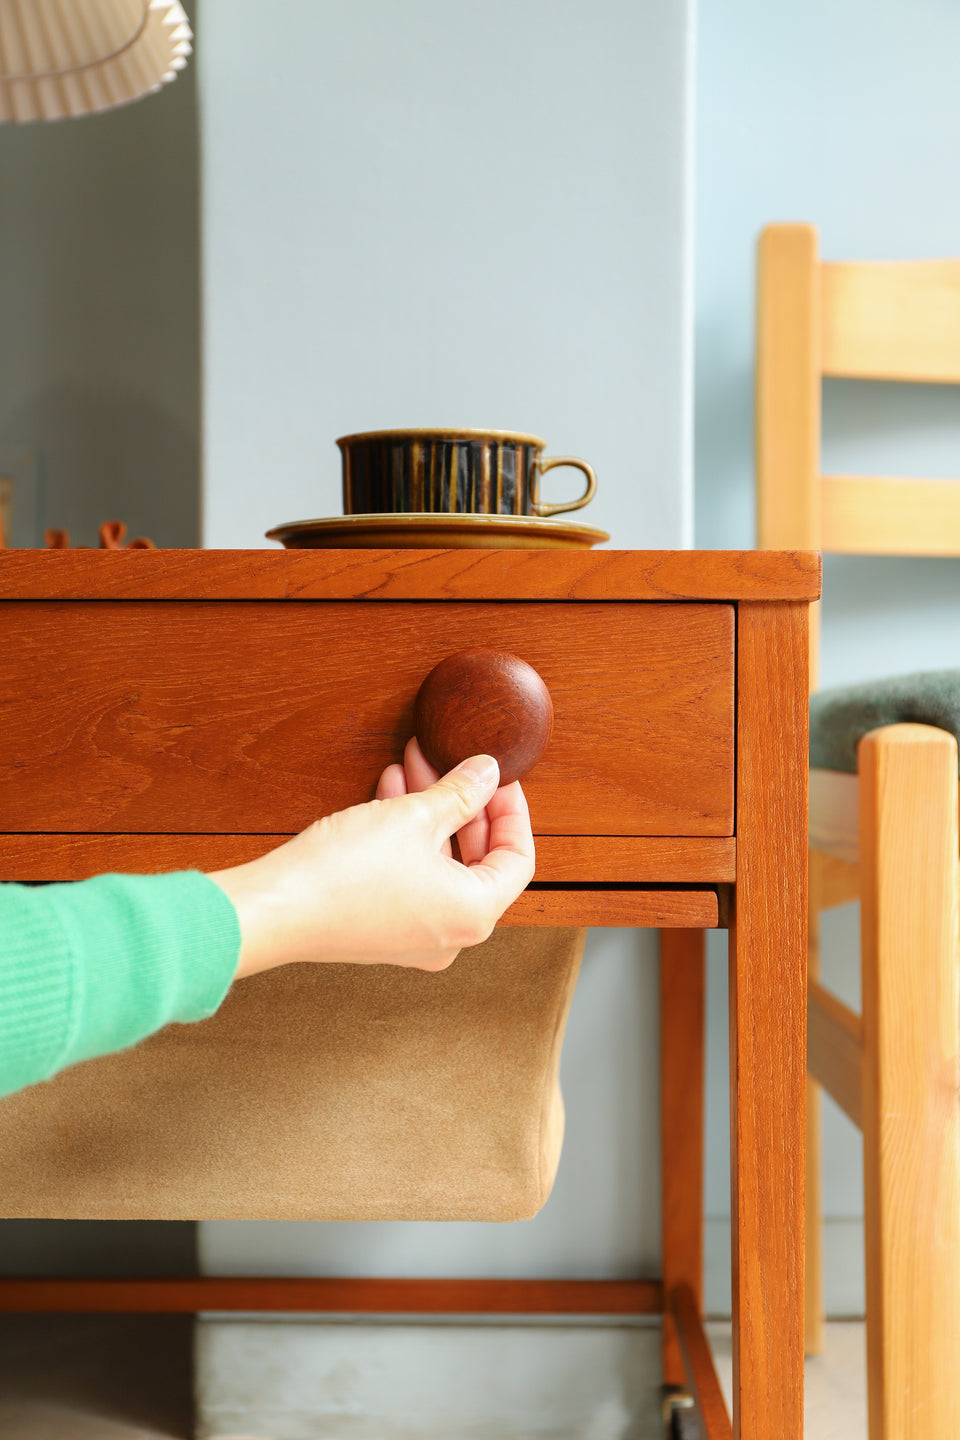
[(130, 1378)]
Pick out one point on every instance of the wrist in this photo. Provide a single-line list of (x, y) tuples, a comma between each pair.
[(261, 941)]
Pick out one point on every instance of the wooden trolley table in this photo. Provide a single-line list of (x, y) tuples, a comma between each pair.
[(673, 794)]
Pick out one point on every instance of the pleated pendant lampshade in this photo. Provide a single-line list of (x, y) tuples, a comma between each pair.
[(73, 57)]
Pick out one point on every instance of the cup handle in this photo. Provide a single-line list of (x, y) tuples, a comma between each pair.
[(550, 463)]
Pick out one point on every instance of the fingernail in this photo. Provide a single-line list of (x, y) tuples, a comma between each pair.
[(483, 768)]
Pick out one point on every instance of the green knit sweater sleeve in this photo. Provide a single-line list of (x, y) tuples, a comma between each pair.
[(97, 965)]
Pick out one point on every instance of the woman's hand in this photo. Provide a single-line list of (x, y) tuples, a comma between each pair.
[(416, 774), (378, 884)]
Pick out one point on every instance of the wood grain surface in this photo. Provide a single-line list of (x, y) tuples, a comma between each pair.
[(789, 493), (788, 387), (366, 1296), (436, 575), (263, 716), (587, 859), (645, 909), (768, 955), (910, 947), (814, 1335), (682, 1041)]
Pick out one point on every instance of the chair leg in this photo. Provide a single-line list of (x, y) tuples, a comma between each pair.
[(910, 954), (682, 974), (813, 1209)]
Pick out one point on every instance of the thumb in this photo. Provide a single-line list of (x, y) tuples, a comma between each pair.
[(462, 793)]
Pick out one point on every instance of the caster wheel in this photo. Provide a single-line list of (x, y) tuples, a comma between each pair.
[(683, 1424)]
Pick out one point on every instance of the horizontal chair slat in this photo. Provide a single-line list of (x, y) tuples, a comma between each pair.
[(834, 814), (832, 881), (866, 515), (835, 1049), (897, 320)]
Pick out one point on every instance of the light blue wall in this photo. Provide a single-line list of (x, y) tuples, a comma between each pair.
[(444, 214), (472, 213), (845, 115)]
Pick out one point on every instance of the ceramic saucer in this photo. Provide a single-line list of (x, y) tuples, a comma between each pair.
[(436, 532)]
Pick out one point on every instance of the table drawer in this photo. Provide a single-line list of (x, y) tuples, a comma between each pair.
[(259, 716)]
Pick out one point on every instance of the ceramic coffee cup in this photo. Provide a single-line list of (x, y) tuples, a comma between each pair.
[(451, 472)]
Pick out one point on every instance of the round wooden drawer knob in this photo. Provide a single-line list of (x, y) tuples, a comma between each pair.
[(484, 702)]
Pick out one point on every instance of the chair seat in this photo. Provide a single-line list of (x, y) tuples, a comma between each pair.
[(840, 718)]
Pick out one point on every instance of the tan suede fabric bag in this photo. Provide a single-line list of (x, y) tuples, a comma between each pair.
[(328, 1092)]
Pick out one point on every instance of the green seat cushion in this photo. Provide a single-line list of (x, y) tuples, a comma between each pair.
[(839, 718)]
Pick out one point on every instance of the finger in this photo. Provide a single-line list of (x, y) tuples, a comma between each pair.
[(510, 828), (392, 783), (461, 794), (419, 772), (503, 874), (474, 838), (420, 775), (509, 864), (509, 800)]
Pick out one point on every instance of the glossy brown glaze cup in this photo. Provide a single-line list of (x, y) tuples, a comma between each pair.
[(451, 472)]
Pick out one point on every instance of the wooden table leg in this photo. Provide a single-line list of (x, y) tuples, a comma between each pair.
[(813, 1315), (768, 1023), (682, 1041)]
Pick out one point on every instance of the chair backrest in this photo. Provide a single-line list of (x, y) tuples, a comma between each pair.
[(873, 320)]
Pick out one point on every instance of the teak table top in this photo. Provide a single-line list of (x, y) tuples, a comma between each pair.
[(778, 575)]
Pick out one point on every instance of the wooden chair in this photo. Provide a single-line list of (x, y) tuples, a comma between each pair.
[(888, 834)]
